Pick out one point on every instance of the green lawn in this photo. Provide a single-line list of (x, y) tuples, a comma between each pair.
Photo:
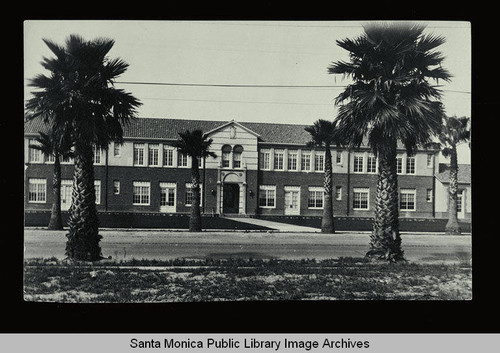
[(52, 280)]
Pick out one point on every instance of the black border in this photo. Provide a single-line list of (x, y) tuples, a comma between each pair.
[(259, 317)]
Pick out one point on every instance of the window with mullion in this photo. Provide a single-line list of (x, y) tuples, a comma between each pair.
[(360, 199), (407, 199), (316, 197), (279, 156), (153, 154), (410, 165), (292, 160), (267, 196), (141, 192), (371, 164), (358, 164), (138, 154), (319, 162)]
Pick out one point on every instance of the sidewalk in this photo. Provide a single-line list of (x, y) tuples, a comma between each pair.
[(281, 227)]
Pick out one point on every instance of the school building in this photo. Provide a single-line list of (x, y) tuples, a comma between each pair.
[(261, 169)]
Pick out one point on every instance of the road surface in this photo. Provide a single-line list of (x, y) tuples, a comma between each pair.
[(163, 245)]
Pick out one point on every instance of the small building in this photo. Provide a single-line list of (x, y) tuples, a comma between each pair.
[(464, 204), (261, 169)]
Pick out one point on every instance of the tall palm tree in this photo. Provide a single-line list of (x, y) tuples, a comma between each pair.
[(323, 135), (56, 146), (454, 132), (79, 94), (194, 144), (390, 100)]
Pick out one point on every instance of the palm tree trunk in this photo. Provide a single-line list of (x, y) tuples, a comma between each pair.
[(83, 237), (327, 225), (385, 241), (55, 222), (195, 218), (452, 227)]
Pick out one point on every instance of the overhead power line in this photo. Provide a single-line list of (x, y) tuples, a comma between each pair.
[(246, 85), (227, 85)]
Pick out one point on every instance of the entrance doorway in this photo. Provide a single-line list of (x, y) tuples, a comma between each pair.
[(66, 190), (292, 200), (231, 198), (167, 197), (460, 204)]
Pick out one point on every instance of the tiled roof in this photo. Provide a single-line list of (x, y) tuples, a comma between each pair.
[(167, 128), (162, 128), (464, 173)]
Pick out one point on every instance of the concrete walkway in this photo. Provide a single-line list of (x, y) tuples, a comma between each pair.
[(281, 227)]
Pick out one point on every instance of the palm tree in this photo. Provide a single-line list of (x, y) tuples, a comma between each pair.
[(323, 135), (390, 100), (194, 144), (79, 96), (56, 146), (454, 132)]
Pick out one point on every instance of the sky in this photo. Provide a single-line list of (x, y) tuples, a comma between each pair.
[(195, 69)]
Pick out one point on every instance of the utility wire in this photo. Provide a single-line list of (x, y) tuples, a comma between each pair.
[(226, 85), (246, 85)]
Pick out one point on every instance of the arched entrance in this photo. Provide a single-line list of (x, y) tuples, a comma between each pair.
[(231, 198)]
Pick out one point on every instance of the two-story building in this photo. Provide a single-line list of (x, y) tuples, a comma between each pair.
[(260, 169)]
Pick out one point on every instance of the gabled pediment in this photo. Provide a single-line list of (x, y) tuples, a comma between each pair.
[(229, 125)]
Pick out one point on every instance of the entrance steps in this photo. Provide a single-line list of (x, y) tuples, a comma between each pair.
[(234, 215)]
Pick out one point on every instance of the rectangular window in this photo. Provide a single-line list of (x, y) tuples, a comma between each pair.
[(279, 156), (407, 199), (371, 164), (460, 194), (338, 159), (338, 193), (116, 149), (116, 187), (35, 156), (50, 158), (168, 156), (226, 158), (358, 164), (428, 196), (37, 190), (153, 154), (265, 159), (267, 196), (319, 162), (96, 157), (410, 165), (236, 160), (182, 159), (316, 195), (292, 160), (430, 159), (361, 198), (97, 189), (141, 192), (399, 165), (138, 154), (305, 161), (189, 194)]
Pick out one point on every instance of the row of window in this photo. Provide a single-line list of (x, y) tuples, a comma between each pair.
[(270, 159), (307, 160), (141, 192), (141, 195), (361, 197)]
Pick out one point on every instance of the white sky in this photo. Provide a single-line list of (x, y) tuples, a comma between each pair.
[(241, 53)]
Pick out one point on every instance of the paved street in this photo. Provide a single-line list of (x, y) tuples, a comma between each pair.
[(163, 244)]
